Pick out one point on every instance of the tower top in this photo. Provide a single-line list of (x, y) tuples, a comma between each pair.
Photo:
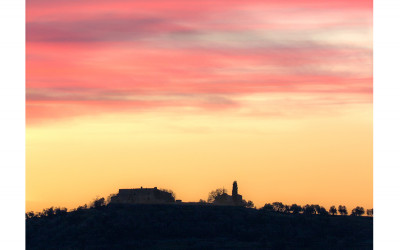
[(235, 188)]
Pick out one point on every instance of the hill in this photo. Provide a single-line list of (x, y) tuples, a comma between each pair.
[(128, 226)]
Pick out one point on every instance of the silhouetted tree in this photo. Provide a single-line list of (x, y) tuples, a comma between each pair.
[(333, 210), (249, 204), (215, 193), (295, 209), (358, 211), (309, 209), (322, 211), (202, 201), (98, 202), (370, 212), (49, 212), (108, 201), (317, 209), (279, 207), (81, 207), (342, 210), (169, 191), (268, 207), (29, 215), (60, 211)]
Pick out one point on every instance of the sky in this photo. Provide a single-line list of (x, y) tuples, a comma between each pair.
[(192, 95)]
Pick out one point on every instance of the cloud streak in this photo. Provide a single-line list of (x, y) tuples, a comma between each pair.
[(194, 55)]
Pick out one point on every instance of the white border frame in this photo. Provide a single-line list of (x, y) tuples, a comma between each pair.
[(12, 120), (386, 124)]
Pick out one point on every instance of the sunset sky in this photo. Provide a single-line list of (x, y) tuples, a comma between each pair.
[(192, 95)]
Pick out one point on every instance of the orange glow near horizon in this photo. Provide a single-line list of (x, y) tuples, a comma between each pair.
[(293, 161), (192, 96)]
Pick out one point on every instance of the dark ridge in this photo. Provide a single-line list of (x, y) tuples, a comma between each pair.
[(197, 226)]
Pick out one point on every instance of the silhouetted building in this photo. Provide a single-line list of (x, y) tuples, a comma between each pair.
[(226, 199), (143, 196)]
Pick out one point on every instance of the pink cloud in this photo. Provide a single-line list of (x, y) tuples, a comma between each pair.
[(121, 55)]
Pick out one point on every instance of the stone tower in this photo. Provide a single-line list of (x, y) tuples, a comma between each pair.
[(234, 189)]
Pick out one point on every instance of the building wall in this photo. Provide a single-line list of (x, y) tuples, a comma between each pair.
[(143, 196), (226, 199)]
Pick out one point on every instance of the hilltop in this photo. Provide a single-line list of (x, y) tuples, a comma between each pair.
[(174, 226)]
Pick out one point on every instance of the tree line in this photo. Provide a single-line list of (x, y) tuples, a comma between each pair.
[(55, 211), (314, 209), (218, 194), (277, 207)]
